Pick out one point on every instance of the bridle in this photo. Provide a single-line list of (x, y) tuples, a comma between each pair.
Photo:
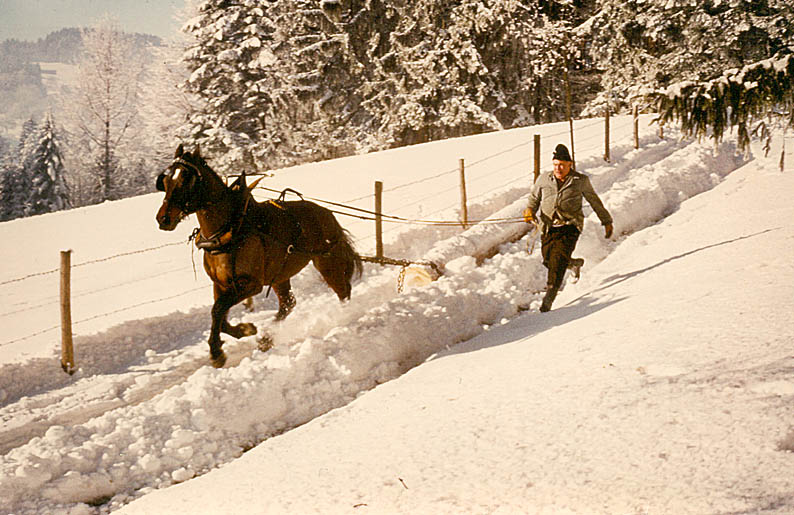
[(188, 202)]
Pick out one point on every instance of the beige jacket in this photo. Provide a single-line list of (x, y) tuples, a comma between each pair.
[(566, 201)]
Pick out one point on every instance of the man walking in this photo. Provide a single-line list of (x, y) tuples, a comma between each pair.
[(558, 197)]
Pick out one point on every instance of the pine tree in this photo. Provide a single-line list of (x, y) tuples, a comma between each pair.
[(747, 98), (654, 44), (228, 59), (16, 184), (44, 167), (6, 163), (283, 82)]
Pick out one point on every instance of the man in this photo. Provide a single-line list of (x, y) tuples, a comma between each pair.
[(558, 197)]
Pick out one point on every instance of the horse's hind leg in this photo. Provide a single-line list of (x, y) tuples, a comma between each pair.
[(336, 274), (286, 300)]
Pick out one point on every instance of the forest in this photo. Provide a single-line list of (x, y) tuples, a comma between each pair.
[(262, 85)]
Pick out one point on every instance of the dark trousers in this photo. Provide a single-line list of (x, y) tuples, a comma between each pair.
[(557, 246)]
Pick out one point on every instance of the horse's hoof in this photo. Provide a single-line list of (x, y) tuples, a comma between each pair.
[(249, 304), (264, 343), (248, 329), (219, 360)]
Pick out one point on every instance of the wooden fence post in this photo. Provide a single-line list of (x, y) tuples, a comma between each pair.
[(661, 129), (67, 349), (464, 210), (378, 219), (636, 127), (568, 114), (606, 134), (537, 157), (783, 154)]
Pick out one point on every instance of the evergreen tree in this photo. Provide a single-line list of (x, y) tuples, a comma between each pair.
[(747, 98), (6, 161), (231, 61), (284, 82), (44, 168), (15, 187), (652, 44)]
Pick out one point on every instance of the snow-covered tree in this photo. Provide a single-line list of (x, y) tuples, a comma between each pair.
[(228, 58), (656, 43), (15, 181), (101, 112), (166, 107), (287, 81), (747, 98), (45, 171), (472, 66)]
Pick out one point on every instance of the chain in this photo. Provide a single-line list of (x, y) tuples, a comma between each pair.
[(401, 279)]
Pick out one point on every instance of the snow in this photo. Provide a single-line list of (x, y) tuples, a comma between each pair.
[(660, 382)]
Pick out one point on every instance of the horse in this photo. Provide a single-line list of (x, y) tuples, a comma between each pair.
[(249, 245)]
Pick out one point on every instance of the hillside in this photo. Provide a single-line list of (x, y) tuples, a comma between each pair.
[(587, 408), (662, 383)]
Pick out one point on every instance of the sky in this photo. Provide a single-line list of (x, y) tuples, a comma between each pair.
[(659, 383), (29, 20)]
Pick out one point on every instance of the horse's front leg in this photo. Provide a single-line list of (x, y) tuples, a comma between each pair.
[(224, 300)]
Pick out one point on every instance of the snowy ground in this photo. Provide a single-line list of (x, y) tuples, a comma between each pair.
[(661, 383)]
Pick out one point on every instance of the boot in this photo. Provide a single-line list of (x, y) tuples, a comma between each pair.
[(575, 266), (548, 299)]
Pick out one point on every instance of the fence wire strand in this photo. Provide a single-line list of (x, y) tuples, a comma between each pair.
[(364, 215)]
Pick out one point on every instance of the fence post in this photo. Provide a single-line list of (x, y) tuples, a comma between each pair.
[(661, 129), (537, 157), (606, 134), (568, 113), (783, 154), (636, 127), (378, 219), (464, 210), (67, 349)]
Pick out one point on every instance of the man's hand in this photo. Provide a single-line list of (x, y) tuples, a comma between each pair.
[(608, 231), (528, 216)]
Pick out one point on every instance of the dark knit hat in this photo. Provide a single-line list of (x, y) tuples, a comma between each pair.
[(561, 153)]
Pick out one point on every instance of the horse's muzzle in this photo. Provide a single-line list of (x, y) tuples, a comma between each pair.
[(168, 219)]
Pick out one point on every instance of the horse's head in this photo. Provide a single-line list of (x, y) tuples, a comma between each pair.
[(181, 182)]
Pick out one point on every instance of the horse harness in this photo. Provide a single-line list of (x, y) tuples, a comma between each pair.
[(230, 236)]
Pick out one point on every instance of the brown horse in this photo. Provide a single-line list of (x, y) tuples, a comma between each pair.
[(249, 245)]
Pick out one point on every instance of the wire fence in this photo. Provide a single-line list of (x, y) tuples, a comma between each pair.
[(511, 174)]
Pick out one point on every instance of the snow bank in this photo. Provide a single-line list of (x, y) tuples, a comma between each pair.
[(325, 355)]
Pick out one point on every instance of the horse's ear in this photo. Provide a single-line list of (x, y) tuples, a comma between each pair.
[(239, 183), (180, 150), (197, 153), (253, 185)]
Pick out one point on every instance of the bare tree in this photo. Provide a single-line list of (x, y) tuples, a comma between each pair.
[(102, 109)]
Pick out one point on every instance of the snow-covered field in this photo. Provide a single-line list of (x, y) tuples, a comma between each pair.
[(662, 382)]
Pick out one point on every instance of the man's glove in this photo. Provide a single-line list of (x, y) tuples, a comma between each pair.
[(608, 231), (528, 216)]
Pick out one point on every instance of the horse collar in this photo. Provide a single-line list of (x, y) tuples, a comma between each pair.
[(221, 240), (215, 244)]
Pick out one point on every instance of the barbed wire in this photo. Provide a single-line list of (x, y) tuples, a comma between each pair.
[(366, 215), (54, 299), (91, 262), (95, 317)]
